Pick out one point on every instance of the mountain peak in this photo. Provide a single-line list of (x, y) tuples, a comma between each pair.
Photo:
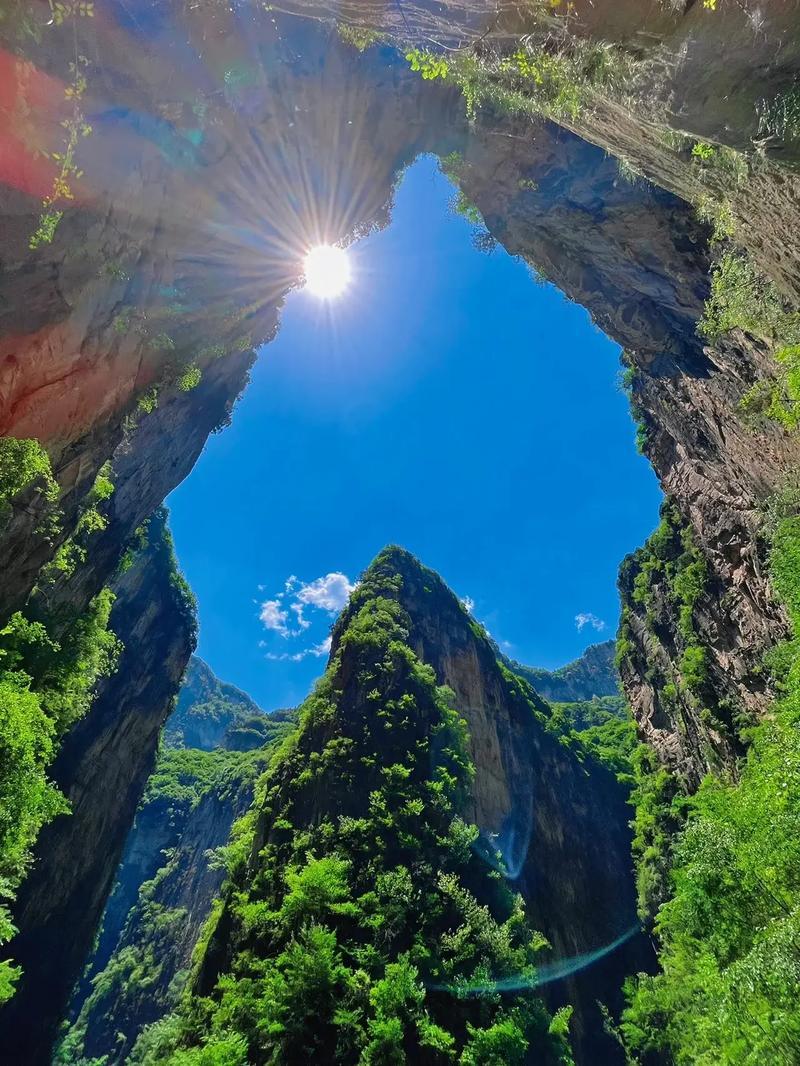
[(593, 673)]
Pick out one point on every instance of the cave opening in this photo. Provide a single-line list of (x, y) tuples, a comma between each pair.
[(432, 405), (451, 402), (168, 172)]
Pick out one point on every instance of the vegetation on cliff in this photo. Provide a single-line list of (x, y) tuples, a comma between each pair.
[(142, 978), (46, 684), (169, 875), (603, 729), (729, 931), (592, 675), (661, 584), (365, 928), (51, 659), (214, 714)]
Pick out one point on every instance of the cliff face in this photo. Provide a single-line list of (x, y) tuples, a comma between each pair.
[(129, 291), (169, 884), (102, 769), (150, 277), (166, 882), (593, 674), (558, 826), (169, 262), (207, 709), (639, 260)]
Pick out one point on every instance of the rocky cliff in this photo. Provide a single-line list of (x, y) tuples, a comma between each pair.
[(593, 674), (632, 252), (102, 769), (210, 713), (167, 880), (547, 816), (127, 323)]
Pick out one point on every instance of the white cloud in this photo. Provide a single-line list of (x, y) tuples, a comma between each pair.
[(297, 609), (287, 612), (317, 650), (329, 593), (323, 648), (469, 603), (586, 618), (274, 617)]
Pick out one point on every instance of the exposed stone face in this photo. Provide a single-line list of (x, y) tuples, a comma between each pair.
[(634, 255), (167, 880), (206, 709), (176, 255), (185, 889), (102, 769), (562, 826), (593, 674), (637, 258), (160, 221)]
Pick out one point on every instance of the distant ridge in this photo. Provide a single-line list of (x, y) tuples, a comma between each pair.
[(593, 674)]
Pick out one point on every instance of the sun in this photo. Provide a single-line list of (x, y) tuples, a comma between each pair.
[(327, 271)]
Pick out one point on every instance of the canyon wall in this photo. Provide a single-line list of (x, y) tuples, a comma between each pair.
[(102, 769), (552, 819), (222, 145)]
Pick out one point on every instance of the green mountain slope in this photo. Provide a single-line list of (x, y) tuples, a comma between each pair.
[(367, 917)]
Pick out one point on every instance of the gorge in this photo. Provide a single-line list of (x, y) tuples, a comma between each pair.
[(164, 171)]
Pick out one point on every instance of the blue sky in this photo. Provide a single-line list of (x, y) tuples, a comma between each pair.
[(447, 403)]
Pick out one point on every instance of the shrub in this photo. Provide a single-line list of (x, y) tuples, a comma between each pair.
[(190, 378), (23, 464), (743, 299)]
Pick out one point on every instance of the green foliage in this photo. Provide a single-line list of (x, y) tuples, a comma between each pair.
[(367, 921), (358, 36), (27, 799), (184, 775), (658, 805), (148, 401), (464, 207), (139, 981), (45, 686), (533, 79), (90, 520), (730, 166), (452, 166), (665, 580), (190, 378), (703, 151), (428, 64), (24, 464), (729, 933), (213, 714), (600, 728), (76, 128), (776, 399), (743, 299), (671, 559), (550, 77), (719, 215)]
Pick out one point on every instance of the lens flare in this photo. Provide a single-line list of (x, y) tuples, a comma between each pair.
[(540, 975), (327, 271)]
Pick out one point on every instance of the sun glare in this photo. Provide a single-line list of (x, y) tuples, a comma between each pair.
[(327, 271)]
